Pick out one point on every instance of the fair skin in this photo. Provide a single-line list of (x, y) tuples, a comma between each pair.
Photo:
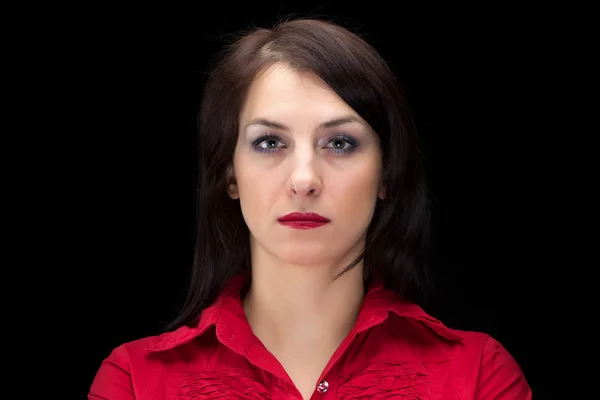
[(319, 156)]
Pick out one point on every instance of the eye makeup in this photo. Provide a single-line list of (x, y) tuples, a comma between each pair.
[(269, 143), (265, 142)]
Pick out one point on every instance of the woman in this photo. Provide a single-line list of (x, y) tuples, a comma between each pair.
[(312, 231)]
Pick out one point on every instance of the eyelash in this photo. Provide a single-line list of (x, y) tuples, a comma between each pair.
[(269, 136)]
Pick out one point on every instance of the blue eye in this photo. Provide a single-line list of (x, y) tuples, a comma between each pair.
[(267, 143), (342, 144)]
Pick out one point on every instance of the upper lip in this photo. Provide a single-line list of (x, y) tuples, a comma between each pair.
[(295, 216)]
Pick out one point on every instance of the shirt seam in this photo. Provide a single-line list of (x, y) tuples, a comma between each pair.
[(453, 378)]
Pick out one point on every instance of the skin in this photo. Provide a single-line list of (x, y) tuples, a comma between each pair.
[(307, 164)]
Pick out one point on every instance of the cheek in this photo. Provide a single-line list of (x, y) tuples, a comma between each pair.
[(257, 190), (358, 188)]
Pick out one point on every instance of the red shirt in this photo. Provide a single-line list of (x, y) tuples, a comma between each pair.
[(394, 351)]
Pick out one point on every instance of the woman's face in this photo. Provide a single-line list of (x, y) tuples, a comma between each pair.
[(302, 149)]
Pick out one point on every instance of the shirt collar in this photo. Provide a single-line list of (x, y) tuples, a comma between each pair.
[(232, 328)]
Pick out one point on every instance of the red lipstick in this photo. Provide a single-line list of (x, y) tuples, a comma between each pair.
[(303, 220)]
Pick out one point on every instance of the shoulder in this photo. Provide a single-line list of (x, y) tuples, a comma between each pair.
[(133, 354), (130, 368), (482, 350), (483, 368), (475, 364), (431, 357)]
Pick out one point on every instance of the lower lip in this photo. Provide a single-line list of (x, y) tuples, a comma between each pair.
[(302, 224)]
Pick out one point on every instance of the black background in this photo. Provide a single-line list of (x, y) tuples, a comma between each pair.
[(487, 89)]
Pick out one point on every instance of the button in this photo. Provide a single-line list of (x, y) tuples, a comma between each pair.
[(323, 386)]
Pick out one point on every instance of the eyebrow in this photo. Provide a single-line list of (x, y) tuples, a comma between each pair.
[(328, 124)]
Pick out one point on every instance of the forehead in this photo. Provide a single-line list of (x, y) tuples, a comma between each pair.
[(280, 90)]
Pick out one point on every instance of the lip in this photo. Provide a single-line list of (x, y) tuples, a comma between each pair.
[(303, 220), (303, 217)]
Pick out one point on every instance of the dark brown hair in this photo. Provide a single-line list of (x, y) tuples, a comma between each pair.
[(397, 238)]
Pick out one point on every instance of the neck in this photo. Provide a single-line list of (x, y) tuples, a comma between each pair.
[(296, 310)]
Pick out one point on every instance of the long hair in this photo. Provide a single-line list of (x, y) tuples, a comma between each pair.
[(397, 237)]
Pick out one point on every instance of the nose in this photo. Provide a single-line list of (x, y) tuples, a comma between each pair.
[(305, 180)]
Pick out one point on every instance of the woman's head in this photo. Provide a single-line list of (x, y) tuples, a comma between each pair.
[(306, 117), (302, 149)]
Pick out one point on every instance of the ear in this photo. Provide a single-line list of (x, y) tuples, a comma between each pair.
[(232, 187), (382, 192)]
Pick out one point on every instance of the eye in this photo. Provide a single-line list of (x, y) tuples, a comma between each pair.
[(342, 144), (267, 143)]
